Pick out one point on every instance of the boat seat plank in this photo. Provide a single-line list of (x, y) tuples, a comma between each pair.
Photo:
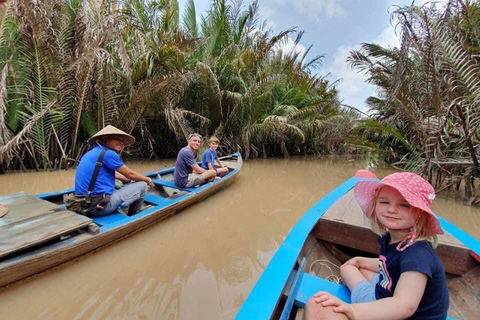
[(111, 218), (158, 201), (31, 221), (172, 185), (311, 284)]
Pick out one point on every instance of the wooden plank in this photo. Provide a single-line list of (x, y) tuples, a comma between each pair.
[(456, 259), (23, 206), (466, 303), (348, 225), (299, 315), (347, 210), (31, 221), (472, 281), (3, 210), (454, 311)]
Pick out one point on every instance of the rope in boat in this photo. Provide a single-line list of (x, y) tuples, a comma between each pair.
[(324, 263)]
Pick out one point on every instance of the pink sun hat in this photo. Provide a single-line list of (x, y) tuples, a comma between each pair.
[(416, 190)]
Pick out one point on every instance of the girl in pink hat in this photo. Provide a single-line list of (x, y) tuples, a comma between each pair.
[(407, 281)]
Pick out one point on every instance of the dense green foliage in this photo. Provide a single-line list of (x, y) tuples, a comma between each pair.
[(427, 113), (70, 67)]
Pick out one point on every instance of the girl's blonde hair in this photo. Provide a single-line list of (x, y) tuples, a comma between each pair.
[(419, 220)]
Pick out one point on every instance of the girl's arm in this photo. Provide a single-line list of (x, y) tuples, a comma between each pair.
[(403, 304), (364, 263)]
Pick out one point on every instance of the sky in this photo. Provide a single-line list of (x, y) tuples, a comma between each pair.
[(334, 28)]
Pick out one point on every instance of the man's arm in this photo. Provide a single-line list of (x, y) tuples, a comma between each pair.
[(121, 177), (219, 163), (197, 169), (135, 176)]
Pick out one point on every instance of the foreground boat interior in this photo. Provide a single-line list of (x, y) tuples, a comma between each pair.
[(329, 234)]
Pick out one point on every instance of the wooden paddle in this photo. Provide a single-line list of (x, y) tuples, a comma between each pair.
[(3, 210)]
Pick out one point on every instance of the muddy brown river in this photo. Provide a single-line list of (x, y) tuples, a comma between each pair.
[(199, 264)]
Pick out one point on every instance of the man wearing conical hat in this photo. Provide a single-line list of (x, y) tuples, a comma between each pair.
[(105, 198)]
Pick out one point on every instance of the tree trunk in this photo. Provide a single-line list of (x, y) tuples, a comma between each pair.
[(468, 141)]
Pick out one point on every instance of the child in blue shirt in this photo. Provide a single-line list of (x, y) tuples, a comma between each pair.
[(210, 156), (407, 281)]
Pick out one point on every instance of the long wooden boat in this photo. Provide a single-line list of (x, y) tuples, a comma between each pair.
[(324, 237), (38, 233)]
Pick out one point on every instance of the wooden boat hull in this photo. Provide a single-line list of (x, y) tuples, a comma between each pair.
[(24, 265), (285, 287)]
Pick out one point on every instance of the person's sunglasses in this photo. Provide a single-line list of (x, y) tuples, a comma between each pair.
[(194, 135)]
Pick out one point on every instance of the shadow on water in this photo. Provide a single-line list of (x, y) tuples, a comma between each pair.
[(199, 264)]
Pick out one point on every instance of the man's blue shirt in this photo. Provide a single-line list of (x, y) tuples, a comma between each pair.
[(209, 157), (105, 183), (183, 166)]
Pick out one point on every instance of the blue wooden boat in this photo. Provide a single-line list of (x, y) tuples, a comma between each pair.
[(38, 233), (293, 275)]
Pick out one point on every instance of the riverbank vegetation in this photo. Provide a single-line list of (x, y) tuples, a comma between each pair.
[(70, 67), (427, 113)]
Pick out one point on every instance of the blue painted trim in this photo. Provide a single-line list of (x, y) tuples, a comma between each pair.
[(171, 184), (158, 201), (170, 170), (292, 293), (264, 297), (312, 284), (54, 194), (469, 241), (111, 218)]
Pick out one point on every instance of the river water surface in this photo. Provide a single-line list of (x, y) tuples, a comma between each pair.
[(201, 263)]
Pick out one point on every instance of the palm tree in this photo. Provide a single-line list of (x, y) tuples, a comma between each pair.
[(428, 91), (79, 65)]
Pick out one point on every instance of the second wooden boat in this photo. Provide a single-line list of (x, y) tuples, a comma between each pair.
[(38, 233)]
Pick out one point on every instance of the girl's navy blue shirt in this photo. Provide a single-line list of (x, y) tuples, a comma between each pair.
[(420, 257)]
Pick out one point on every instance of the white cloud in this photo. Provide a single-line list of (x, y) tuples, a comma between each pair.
[(388, 38), (353, 88), (313, 9), (290, 47)]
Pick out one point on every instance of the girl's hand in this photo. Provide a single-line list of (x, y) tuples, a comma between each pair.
[(327, 300), (354, 262)]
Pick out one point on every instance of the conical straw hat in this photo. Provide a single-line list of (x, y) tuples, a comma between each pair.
[(111, 130)]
